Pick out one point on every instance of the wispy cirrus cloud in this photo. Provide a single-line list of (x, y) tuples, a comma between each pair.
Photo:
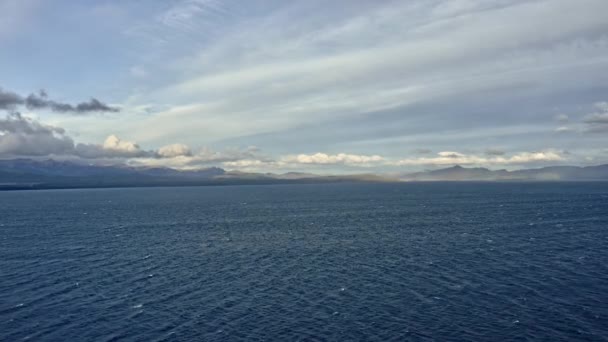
[(187, 15), (354, 78), (360, 61)]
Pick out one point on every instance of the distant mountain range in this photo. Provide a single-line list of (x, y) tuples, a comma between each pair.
[(48, 174), (550, 173)]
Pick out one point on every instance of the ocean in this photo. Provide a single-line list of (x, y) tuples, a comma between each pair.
[(326, 262)]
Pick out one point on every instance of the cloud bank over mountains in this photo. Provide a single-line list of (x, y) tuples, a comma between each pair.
[(25, 137), (20, 136)]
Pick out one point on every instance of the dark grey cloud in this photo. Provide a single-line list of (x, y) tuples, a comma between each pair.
[(10, 101), (20, 136), (94, 105), (24, 137)]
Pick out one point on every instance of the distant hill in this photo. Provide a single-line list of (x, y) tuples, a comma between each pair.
[(47, 174), (28, 173), (551, 173)]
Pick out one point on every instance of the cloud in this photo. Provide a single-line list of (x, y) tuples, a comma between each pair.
[(10, 101), (530, 157), (340, 158), (230, 155), (563, 118), (453, 158), (21, 136), (112, 147), (597, 122), (597, 118), (453, 75), (41, 101), (184, 14), (319, 160), (180, 156), (249, 164), (603, 106), (445, 158), (453, 155), (116, 144), (174, 150), (343, 64), (93, 105), (25, 137)]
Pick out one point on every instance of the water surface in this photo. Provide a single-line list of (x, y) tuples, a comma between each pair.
[(377, 262)]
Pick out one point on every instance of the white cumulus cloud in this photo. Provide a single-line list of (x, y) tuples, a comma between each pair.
[(113, 142), (453, 158), (340, 158), (174, 150)]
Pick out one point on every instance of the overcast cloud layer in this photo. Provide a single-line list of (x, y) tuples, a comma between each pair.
[(341, 86)]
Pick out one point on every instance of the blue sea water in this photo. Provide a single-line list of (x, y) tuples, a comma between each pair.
[(341, 262)]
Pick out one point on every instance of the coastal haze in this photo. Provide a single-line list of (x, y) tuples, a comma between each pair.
[(268, 170)]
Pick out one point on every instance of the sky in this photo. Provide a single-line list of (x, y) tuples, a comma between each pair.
[(355, 86)]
